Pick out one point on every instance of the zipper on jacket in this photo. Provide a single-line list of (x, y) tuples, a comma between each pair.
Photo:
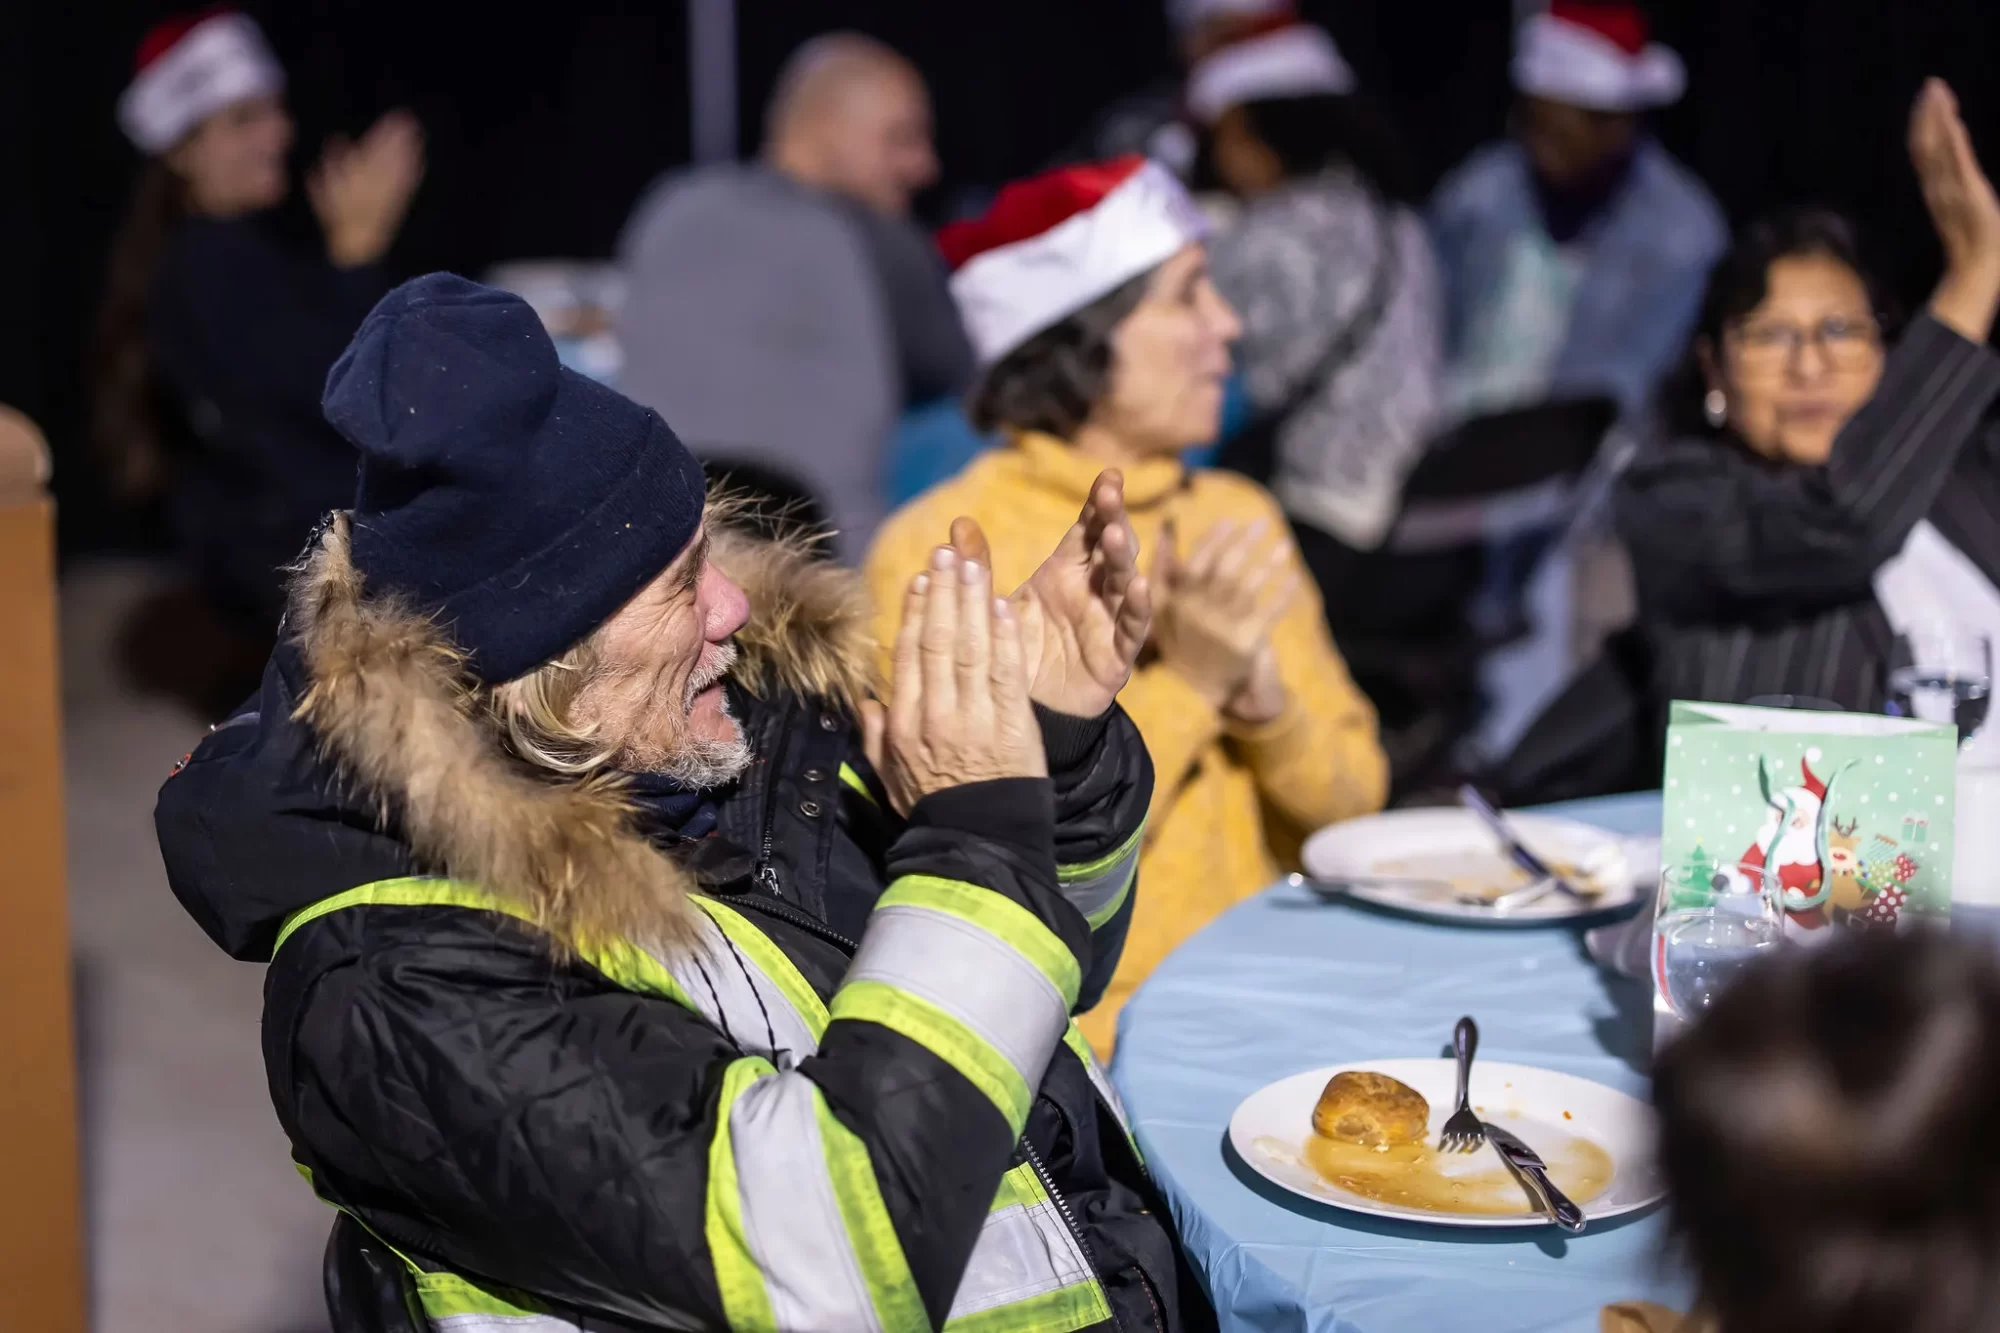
[(1062, 1208), (783, 912), (766, 875)]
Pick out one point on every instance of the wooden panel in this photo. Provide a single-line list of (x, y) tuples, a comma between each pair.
[(41, 1265)]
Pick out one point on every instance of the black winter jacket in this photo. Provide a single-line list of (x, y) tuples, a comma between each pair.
[(487, 1104)]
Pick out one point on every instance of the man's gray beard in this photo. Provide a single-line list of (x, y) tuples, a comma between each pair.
[(697, 763)]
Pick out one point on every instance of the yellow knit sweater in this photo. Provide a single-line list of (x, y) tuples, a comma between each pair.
[(1230, 804)]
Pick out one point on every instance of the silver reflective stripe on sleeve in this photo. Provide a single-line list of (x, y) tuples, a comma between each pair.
[(1098, 888), (791, 1220), (732, 993), (1101, 1081), (972, 975)]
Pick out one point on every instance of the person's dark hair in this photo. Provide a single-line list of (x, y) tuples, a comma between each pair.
[(1825, 1130), (127, 432), (1737, 285), (1310, 134), (1051, 382)]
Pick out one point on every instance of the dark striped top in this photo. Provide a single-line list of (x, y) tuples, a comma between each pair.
[(1756, 577)]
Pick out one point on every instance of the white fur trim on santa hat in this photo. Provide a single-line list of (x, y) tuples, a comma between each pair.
[(1566, 62), (220, 60), (1009, 294), (1297, 61)]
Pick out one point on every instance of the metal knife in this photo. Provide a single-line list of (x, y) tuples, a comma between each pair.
[(1469, 797), (1527, 1164)]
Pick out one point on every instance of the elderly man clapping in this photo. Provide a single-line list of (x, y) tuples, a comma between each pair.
[(622, 974)]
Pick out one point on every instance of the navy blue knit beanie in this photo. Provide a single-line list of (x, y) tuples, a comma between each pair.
[(518, 502)]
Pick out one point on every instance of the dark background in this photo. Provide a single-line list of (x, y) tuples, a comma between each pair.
[(546, 120)]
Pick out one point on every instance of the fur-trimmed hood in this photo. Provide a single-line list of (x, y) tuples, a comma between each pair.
[(392, 722)]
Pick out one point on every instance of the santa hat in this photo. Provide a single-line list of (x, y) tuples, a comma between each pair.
[(1053, 243), (1812, 784), (189, 68), (1592, 54), (1297, 60), (1184, 14)]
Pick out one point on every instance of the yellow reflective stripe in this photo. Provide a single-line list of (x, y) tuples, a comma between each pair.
[(1088, 869), (446, 1294), (744, 1300), (1019, 1186), (411, 892), (623, 962), (1100, 1082), (1076, 880), (1078, 1305), (891, 1289), (855, 780), (997, 915), (771, 961), (945, 1037)]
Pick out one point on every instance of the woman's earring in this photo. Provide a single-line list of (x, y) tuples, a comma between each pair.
[(1715, 406)]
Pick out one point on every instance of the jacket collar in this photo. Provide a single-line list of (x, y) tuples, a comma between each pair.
[(391, 708), (1057, 466)]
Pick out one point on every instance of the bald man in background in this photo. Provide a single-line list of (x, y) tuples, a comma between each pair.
[(783, 313)]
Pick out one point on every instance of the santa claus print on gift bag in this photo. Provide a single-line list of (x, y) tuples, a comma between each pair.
[(1851, 814)]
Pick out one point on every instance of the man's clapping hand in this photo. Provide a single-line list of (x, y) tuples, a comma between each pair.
[(1086, 610), (959, 712)]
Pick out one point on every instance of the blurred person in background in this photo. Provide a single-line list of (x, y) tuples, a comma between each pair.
[(1834, 480), (823, 308), (1331, 272), (1825, 1136), (1156, 120), (1105, 345), (1574, 252), (216, 333)]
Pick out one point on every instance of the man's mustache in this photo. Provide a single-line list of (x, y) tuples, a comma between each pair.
[(717, 666)]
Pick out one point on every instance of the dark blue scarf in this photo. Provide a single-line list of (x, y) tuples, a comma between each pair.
[(668, 810)]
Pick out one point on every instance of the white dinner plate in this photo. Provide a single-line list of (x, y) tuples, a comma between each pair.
[(1548, 1110), (1362, 855)]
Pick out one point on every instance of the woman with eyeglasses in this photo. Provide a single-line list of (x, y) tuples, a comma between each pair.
[(1834, 480)]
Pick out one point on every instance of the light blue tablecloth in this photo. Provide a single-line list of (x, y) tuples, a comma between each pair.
[(1285, 983)]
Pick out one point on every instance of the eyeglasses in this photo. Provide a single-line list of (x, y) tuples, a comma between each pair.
[(1768, 348)]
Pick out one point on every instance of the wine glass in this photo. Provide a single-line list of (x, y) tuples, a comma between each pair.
[(1943, 672), (1711, 921)]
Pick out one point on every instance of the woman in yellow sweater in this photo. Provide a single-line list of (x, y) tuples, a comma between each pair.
[(1087, 296)]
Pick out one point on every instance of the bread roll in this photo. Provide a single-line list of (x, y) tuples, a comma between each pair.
[(1373, 1110)]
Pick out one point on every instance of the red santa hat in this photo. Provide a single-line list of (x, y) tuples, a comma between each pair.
[(1596, 54), (1297, 60), (190, 67), (1184, 14), (1053, 243)]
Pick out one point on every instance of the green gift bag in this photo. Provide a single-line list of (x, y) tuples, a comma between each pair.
[(1851, 812)]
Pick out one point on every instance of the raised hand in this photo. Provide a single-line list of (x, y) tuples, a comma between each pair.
[(959, 712), (361, 190), (1085, 612), (1963, 209), (1217, 611)]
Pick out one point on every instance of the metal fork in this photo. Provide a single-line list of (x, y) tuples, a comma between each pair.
[(1463, 1132)]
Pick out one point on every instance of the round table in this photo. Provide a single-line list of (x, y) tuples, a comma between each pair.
[(1284, 983)]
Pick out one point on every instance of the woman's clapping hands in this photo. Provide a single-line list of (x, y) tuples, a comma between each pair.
[(1963, 209), (1217, 608)]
